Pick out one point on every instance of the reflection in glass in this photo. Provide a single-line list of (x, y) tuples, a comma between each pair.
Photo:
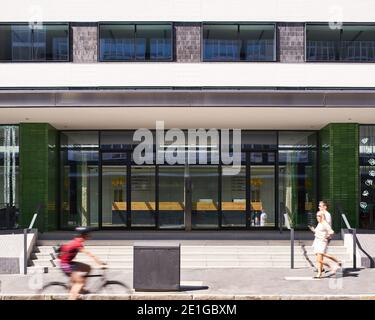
[(235, 42), (39, 42), (9, 166), (79, 139), (263, 140), (233, 203), (297, 198), (171, 197), (154, 42), (205, 190), (79, 188), (135, 42), (114, 200), (262, 195), (116, 140), (367, 174), (143, 196), (349, 43), (297, 139)]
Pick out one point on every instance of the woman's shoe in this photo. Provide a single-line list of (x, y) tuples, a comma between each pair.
[(84, 291), (335, 268), (318, 276)]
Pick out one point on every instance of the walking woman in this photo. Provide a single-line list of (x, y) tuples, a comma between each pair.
[(323, 232)]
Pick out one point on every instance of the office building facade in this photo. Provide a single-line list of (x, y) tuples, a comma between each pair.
[(78, 82)]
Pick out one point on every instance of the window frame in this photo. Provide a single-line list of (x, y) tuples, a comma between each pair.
[(275, 46), (69, 39), (372, 24), (135, 23)]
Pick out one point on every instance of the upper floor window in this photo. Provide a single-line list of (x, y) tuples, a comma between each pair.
[(140, 42), (239, 42), (340, 43), (34, 42)]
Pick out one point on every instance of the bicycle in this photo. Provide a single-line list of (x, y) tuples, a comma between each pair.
[(105, 287)]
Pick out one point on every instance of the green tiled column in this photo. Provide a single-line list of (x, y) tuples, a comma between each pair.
[(339, 170), (38, 174)]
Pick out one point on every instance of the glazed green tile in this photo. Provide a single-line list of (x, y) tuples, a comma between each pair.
[(38, 174), (339, 169)]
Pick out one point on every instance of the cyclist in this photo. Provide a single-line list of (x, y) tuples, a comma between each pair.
[(77, 271)]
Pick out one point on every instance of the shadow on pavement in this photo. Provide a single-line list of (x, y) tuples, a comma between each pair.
[(191, 288)]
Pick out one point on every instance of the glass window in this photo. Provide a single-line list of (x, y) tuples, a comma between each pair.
[(297, 139), (236, 42), (205, 193), (345, 43), (171, 197), (79, 139), (262, 195), (143, 205), (233, 197), (39, 42), (79, 188), (116, 140), (128, 42), (259, 140), (367, 176), (297, 185), (153, 42), (114, 189)]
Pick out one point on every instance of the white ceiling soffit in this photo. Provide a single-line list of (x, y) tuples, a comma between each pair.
[(185, 117)]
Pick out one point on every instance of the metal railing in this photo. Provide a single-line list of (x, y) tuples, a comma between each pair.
[(290, 227), (351, 230), (25, 233), (354, 235)]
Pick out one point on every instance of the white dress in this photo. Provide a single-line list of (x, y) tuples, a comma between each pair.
[(322, 231)]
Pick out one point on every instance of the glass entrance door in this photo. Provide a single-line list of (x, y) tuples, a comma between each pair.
[(262, 190), (114, 189), (171, 195), (248, 196)]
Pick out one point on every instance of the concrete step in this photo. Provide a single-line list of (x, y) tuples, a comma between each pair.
[(234, 256), (188, 249), (199, 256)]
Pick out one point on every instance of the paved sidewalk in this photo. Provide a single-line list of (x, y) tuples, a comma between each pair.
[(211, 284)]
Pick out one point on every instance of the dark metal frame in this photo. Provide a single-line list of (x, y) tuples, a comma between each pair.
[(278, 220), (70, 43), (99, 24), (326, 23), (275, 46)]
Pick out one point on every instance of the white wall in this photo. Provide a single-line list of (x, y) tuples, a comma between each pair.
[(187, 74), (188, 10)]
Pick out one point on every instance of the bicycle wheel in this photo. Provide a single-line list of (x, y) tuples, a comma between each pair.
[(54, 287), (114, 287)]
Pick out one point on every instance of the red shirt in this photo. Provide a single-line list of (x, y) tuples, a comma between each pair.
[(70, 250)]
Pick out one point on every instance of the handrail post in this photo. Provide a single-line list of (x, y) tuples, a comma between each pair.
[(25, 231), (354, 248), (292, 248)]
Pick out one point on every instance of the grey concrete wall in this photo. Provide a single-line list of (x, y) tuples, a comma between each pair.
[(188, 42), (9, 265), (291, 37), (85, 44)]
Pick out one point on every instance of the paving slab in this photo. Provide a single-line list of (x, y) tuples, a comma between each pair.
[(228, 284)]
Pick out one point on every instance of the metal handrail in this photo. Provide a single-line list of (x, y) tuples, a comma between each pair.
[(354, 234), (25, 232), (291, 228)]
